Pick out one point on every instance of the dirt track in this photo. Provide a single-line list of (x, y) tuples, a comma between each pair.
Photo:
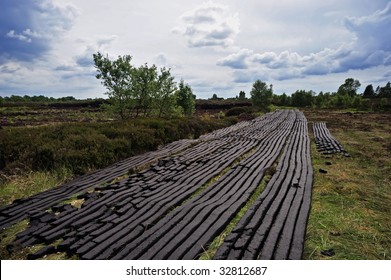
[(187, 196)]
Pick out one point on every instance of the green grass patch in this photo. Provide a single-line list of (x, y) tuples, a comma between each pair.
[(7, 237), (351, 203)]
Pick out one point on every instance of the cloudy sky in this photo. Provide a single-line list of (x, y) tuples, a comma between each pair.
[(220, 47)]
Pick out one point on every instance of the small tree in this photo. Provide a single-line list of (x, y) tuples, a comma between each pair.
[(342, 101), (369, 92), (186, 99), (165, 98), (261, 95), (320, 100), (349, 88), (284, 100), (142, 90), (385, 92), (144, 87), (377, 91), (116, 76), (357, 102), (302, 98), (242, 95)]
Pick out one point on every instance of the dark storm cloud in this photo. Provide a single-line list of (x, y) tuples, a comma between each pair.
[(28, 27), (373, 44)]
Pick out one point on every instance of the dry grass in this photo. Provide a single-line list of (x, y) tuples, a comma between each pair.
[(27, 184)]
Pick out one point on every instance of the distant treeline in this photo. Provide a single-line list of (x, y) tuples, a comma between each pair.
[(44, 101), (70, 101), (345, 97), (36, 98)]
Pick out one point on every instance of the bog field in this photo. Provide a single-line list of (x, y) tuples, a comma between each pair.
[(289, 184)]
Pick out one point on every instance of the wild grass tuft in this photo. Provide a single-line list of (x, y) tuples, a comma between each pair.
[(25, 185)]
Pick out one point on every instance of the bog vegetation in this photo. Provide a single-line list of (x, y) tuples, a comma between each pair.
[(34, 158), (150, 109), (81, 147), (146, 108)]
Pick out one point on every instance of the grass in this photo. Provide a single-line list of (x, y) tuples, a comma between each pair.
[(16, 252), (25, 185), (351, 203), (7, 237)]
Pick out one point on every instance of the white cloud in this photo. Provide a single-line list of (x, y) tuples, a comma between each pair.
[(237, 60), (54, 16), (30, 28), (27, 35), (373, 44), (292, 44), (161, 59), (387, 61), (31, 34), (265, 58), (371, 48), (106, 41), (9, 68), (21, 37), (210, 24), (249, 76)]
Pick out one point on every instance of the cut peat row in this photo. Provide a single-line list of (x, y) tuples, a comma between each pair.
[(274, 227), (20, 208), (325, 142), (137, 203), (185, 232), (139, 200), (185, 196)]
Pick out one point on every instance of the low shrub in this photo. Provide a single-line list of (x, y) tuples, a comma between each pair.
[(237, 111), (81, 147)]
